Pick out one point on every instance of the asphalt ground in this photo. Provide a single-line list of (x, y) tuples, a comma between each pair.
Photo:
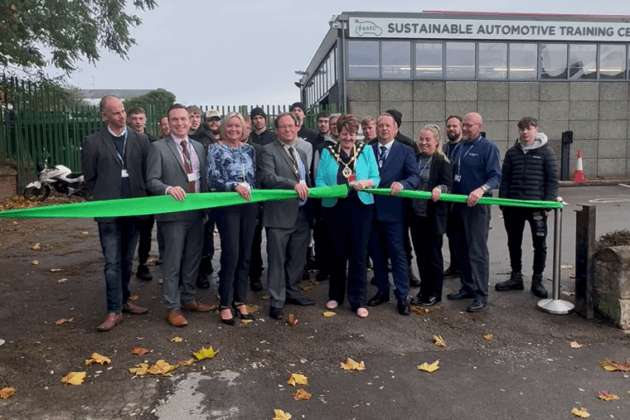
[(525, 370)]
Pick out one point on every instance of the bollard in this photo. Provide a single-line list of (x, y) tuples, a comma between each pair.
[(555, 305), (585, 260), (565, 156)]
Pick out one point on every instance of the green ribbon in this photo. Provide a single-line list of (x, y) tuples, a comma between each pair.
[(458, 198)]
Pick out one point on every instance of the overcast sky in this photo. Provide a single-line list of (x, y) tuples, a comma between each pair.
[(246, 52)]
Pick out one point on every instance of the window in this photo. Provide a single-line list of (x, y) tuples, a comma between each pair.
[(612, 61), (429, 60), (582, 61), (523, 61), (363, 59), (492, 60), (460, 60), (553, 61), (396, 59)]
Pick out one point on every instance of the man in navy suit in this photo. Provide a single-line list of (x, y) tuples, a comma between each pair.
[(398, 170)]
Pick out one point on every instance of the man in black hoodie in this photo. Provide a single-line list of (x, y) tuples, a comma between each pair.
[(306, 133), (260, 135)]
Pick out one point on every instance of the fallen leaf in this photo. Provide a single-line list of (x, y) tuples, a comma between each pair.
[(419, 310), (34, 262), (64, 320), (281, 415), (161, 368), (133, 297), (176, 339), (97, 358), (8, 393), (300, 394), (85, 233), (439, 341), (36, 246), (575, 345), (15, 223), (352, 365), (188, 362), (488, 337), (252, 308), (139, 351), (140, 370), (54, 270), (425, 367), (297, 379), (74, 378), (329, 314), (204, 353), (572, 276), (246, 321), (581, 413), (566, 266), (607, 396), (611, 366), (60, 281), (291, 320), (306, 287)]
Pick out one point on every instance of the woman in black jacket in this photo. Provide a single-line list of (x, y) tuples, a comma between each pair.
[(428, 217)]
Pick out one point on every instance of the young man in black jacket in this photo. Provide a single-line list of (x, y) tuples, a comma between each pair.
[(529, 173)]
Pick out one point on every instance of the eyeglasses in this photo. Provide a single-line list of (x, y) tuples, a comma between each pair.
[(286, 127), (466, 125)]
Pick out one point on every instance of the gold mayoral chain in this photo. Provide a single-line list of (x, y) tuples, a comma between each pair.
[(348, 168)]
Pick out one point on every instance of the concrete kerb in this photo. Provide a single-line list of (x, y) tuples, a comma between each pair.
[(596, 182)]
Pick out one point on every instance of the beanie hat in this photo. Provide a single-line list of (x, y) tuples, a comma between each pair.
[(256, 112), (397, 116), (298, 105)]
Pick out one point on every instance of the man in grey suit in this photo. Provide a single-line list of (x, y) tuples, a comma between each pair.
[(176, 166), (283, 166), (114, 162)]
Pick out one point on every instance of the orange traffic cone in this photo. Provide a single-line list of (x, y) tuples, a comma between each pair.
[(578, 174)]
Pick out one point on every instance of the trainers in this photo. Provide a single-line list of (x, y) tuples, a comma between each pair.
[(515, 282)]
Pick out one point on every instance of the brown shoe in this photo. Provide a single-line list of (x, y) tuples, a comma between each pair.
[(176, 319), (199, 307), (134, 309), (111, 321)]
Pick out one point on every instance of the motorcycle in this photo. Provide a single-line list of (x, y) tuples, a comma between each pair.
[(59, 178)]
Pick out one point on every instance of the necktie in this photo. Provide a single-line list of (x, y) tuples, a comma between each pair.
[(187, 165), (381, 158), (294, 157)]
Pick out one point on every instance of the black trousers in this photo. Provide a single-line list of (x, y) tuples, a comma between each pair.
[(256, 262), (348, 224), (208, 236), (323, 241), (428, 247), (145, 226), (514, 219)]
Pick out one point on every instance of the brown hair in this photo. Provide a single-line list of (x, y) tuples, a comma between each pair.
[(284, 114), (457, 117), (527, 122), (367, 119), (175, 106), (348, 121)]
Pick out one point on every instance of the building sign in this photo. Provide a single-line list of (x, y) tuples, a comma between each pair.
[(542, 30)]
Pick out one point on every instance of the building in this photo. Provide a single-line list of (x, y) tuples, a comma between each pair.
[(569, 71), (94, 96)]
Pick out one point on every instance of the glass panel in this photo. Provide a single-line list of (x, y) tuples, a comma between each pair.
[(396, 59), (460, 60), (553, 61), (523, 59), (582, 63), (429, 60), (363, 59), (492, 60), (612, 61)]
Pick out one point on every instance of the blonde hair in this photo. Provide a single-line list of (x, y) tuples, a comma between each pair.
[(227, 118), (437, 133)]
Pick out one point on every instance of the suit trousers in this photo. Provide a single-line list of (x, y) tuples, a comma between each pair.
[(428, 247), (145, 226), (256, 263), (348, 223), (472, 225), (286, 253), (392, 234), (118, 242), (208, 236), (514, 219), (182, 254), (236, 226)]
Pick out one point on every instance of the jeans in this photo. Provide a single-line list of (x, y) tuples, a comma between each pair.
[(118, 241)]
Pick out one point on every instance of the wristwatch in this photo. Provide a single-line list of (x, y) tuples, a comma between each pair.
[(485, 188)]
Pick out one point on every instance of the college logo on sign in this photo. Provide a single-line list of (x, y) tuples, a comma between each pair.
[(367, 27)]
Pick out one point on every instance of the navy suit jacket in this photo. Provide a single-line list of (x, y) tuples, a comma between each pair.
[(400, 166)]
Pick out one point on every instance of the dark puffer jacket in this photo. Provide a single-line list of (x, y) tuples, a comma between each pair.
[(530, 173)]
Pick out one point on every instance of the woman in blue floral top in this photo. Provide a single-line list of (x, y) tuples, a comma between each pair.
[(232, 167)]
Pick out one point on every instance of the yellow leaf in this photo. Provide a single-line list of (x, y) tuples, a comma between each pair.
[(64, 320), (176, 339), (74, 378), (581, 413), (352, 365), (35, 262), (36, 246), (575, 345), (133, 297), (161, 368), (306, 287), (6, 393), (139, 351), (246, 321), (60, 281), (488, 337), (204, 353), (419, 311), (188, 362), (140, 370), (291, 320), (281, 415), (97, 358), (611, 366), (439, 341), (425, 367), (297, 379), (300, 394), (329, 314), (607, 396), (252, 308)]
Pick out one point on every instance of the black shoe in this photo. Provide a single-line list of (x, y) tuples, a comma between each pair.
[(515, 282), (403, 307), (451, 272), (210, 269), (477, 306), (243, 316), (378, 299), (301, 301), (202, 282), (459, 296), (537, 288), (322, 276), (275, 313), (306, 275), (160, 260), (413, 280), (420, 301), (143, 273), (256, 285)]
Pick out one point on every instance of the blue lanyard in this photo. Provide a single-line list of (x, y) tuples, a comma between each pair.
[(459, 157), (124, 149)]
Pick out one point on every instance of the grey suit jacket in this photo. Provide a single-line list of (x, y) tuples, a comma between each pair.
[(102, 169), (166, 169), (275, 170)]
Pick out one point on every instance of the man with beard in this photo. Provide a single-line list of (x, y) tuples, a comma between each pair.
[(454, 134)]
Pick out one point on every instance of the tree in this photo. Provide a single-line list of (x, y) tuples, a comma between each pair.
[(160, 99), (37, 33)]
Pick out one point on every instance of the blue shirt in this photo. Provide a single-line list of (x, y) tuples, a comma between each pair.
[(228, 167)]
